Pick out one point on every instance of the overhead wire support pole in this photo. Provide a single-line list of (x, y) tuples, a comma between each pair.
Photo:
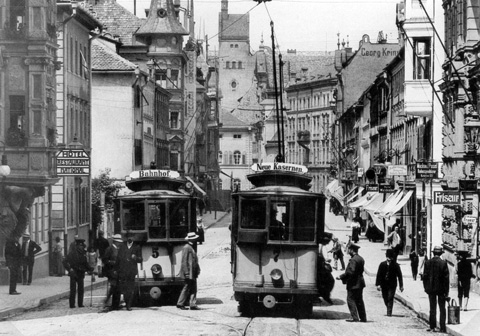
[(280, 65), (279, 157)]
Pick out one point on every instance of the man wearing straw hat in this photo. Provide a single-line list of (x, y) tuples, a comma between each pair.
[(189, 270), (436, 284)]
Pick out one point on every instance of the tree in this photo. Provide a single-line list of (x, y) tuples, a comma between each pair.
[(102, 184)]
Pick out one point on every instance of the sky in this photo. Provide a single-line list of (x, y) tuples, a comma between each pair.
[(304, 25)]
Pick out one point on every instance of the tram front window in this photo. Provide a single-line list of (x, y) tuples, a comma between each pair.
[(278, 229), (179, 219), (253, 214), (157, 220), (133, 215), (304, 218)]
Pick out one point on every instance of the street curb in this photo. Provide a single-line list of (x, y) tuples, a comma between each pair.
[(217, 220), (10, 312)]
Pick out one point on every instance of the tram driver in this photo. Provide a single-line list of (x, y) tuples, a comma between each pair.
[(278, 230)]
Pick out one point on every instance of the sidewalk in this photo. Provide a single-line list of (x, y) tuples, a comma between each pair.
[(413, 295), (49, 289)]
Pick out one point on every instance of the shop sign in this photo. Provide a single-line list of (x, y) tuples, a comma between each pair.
[(446, 197), (72, 162), (371, 187), (386, 188), (397, 170), (426, 170), (279, 166), (469, 220)]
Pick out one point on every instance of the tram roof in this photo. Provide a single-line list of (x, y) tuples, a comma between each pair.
[(280, 178), (280, 191), (156, 194)]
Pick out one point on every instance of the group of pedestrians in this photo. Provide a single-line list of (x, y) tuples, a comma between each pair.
[(20, 259)]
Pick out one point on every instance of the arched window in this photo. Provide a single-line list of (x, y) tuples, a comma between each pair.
[(237, 157), (220, 157), (239, 65), (236, 45), (227, 65), (234, 65)]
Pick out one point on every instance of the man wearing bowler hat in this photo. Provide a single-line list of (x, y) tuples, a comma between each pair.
[(353, 278), (388, 273), (129, 256), (437, 284), (76, 263), (111, 271), (29, 249), (189, 270)]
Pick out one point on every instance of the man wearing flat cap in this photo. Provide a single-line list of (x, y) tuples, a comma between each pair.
[(436, 284), (111, 272), (189, 270), (29, 249), (353, 278), (129, 256), (76, 263), (388, 273)]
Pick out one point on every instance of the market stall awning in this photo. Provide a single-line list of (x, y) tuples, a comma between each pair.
[(362, 200)]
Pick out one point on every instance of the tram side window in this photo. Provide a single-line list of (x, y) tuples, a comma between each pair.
[(179, 219), (279, 213), (157, 220), (304, 219), (133, 215), (253, 214)]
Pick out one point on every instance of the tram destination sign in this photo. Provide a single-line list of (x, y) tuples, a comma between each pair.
[(153, 173), (279, 166), (446, 197), (72, 162), (426, 170)]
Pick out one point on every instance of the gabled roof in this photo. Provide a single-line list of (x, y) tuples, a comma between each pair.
[(234, 27), (161, 20), (229, 120), (117, 20), (104, 57)]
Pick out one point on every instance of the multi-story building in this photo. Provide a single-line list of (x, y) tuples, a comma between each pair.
[(70, 209), (461, 124), (308, 127), (28, 60)]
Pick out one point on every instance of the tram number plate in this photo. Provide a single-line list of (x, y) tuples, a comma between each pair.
[(155, 253)]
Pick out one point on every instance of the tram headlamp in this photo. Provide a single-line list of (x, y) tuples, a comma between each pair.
[(277, 277), (157, 271)]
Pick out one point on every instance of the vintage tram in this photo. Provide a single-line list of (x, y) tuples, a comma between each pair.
[(159, 213), (275, 234)]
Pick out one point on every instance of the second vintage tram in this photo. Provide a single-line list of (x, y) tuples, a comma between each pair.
[(276, 230), (159, 214)]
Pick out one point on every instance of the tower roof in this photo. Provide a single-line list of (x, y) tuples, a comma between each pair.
[(161, 20)]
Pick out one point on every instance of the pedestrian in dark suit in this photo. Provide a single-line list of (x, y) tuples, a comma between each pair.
[(189, 271), (129, 255), (109, 262), (436, 284), (388, 273), (13, 259), (76, 263), (101, 244), (353, 278), (414, 260), (29, 249), (464, 276)]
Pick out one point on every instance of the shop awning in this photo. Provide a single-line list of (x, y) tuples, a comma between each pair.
[(392, 210), (393, 199), (362, 200), (359, 191), (379, 222), (350, 193), (196, 186), (332, 186), (375, 202)]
